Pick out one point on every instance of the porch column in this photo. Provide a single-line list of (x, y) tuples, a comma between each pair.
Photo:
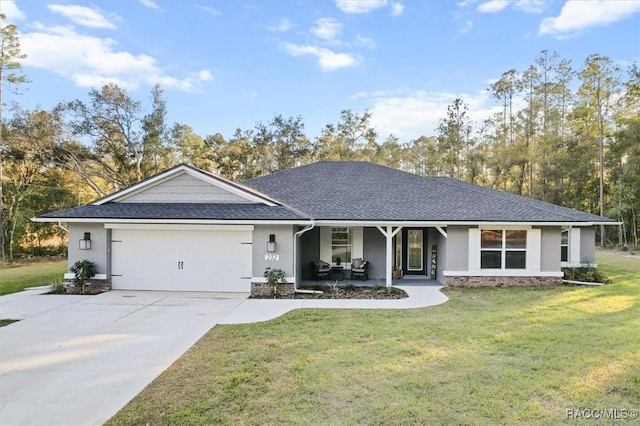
[(389, 233)]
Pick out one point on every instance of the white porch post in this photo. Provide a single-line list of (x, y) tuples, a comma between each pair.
[(389, 233)]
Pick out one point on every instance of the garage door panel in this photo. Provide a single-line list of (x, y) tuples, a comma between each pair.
[(181, 260)]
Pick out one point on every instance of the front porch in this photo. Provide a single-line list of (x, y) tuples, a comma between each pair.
[(417, 253)]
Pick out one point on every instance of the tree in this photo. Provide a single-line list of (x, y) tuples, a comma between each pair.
[(157, 152), (347, 139), (11, 72), (600, 86), (454, 139), (279, 145)]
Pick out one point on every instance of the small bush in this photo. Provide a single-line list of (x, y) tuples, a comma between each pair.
[(58, 286), (274, 277), (587, 274), (83, 271)]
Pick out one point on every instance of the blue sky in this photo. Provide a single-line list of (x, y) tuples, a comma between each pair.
[(229, 64)]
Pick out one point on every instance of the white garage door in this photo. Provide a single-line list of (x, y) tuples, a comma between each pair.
[(188, 259)]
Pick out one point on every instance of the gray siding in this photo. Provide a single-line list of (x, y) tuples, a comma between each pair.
[(375, 251), (457, 248), (309, 244), (184, 188), (284, 240), (587, 245), (550, 249), (98, 252)]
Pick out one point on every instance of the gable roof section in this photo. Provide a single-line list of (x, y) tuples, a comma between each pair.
[(238, 190), (361, 191)]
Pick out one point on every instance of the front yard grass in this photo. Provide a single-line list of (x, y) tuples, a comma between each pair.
[(488, 356), (15, 278)]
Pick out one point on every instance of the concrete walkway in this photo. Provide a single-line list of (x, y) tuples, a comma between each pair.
[(77, 360), (256, 310)]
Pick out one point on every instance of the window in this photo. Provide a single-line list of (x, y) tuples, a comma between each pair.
[(341, 243), (564, 246), (503, 249)]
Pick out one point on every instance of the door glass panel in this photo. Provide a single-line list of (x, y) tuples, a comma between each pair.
[(414, 246)]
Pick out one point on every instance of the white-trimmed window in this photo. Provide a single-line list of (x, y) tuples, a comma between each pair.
[(341, 245), (503, 249), (564, 246)]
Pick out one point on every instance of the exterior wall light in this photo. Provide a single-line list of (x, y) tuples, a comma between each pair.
[(85, 243), (271, 244)]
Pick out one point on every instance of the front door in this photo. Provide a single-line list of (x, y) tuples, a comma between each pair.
[(410, 252)]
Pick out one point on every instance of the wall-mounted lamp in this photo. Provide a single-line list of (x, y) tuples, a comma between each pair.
[(271, 244), (85, 243)]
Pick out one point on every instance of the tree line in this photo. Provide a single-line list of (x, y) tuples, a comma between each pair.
[(563, 135)]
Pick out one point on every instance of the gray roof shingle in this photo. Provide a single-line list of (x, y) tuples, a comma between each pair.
[(195, 211), (335, 190)]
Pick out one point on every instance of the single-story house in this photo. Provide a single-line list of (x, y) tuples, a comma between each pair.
[(186, 229)]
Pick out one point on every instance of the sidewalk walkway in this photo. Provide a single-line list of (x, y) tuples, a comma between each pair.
[(257, 310)]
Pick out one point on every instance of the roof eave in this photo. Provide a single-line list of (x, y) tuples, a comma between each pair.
[(302, 222)]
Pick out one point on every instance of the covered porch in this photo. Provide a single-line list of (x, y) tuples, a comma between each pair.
[(397, 254)]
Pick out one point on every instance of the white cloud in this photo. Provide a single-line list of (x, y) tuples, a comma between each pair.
[(493, 6), (396, 9), (328, 60), (284, 26), (466, 27), (366, 42), (411, 114), (91, 61), (210, 10), (11, 11), (530, 6), (328, 30), (360, 6), (151, 4), (578, 15), (82, 16)]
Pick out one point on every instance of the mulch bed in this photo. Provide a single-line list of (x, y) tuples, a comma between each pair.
[(349, 292)]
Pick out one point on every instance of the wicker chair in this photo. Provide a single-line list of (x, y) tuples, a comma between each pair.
[(320, 269), (359, 269)]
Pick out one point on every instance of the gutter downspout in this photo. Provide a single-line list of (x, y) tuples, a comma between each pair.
[(295, 259), (62, 227)]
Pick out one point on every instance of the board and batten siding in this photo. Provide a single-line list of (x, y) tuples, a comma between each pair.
[(184, 188)]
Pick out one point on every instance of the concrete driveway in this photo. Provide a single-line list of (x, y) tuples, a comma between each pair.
[(76, 360)]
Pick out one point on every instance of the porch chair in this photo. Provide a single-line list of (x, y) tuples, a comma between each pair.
[(320, 269), (359, 269)]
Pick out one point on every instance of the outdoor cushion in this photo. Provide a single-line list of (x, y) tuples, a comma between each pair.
[(356, 263)]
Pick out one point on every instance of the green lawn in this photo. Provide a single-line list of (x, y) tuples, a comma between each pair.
[(17, 278), (488, 356)]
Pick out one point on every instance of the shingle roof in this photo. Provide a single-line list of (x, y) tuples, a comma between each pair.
[(334, 190), (184, 211)]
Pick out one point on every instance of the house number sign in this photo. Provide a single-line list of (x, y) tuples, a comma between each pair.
[(271, 257)]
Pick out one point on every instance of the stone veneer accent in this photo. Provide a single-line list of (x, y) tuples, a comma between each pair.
[(501, 281), (264, 289), (92, 287)]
